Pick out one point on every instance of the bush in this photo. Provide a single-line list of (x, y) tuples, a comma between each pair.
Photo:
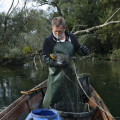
[(27, 50), (115, 55), (4, 51), (14, 52)]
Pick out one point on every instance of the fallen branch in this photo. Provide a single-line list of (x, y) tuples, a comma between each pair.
[(40, 62), (37, 53), (35, 64)]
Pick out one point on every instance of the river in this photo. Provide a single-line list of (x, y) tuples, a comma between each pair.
[(104, 77)]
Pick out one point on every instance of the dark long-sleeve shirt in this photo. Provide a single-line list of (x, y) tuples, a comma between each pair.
[(50, 42)]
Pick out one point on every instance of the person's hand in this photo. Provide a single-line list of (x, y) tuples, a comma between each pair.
[(85, 50), (58, 65)]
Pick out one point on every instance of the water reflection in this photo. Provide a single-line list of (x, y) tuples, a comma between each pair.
[(14, 79), (105, 78)]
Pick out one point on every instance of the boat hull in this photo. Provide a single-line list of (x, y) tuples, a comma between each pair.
[(20, 109)]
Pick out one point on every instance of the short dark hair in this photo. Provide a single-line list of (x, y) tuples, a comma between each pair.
[(57, 21)]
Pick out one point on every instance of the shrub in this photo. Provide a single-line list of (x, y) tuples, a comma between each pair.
[(14, 52), (4, 51), (115, 55), (27, 50)]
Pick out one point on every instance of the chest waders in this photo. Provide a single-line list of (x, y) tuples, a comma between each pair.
[(59, 87)]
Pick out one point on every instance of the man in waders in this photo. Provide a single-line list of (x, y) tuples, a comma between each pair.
[(61, 85)]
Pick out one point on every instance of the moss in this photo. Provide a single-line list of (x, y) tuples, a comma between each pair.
[(27, 50)]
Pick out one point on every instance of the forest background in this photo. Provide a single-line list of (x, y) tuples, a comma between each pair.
[(96, 24)]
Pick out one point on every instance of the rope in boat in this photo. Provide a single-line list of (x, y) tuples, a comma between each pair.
[(28, 92), (108, 113), (38, 87)]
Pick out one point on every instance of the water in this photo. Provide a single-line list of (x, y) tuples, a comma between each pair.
[(104, 77), (14, 79)]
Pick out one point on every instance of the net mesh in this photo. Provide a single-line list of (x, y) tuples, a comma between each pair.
[(72, 111)]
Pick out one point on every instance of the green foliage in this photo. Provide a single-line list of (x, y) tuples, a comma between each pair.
[(92, 42), (4, 51), (88, 13), (7, 52), (27, 50), (116, 52), (14, 52), (23, 28), (115, 55), (79, 12), (109, 35)]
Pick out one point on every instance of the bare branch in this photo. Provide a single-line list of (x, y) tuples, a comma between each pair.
[(40, 62), (113, 22), (34, 60), (5, 23), (75, 25), (37, 53), (58, 8), (14, 7), (10, 7), (95, 27), (99, 26), (24, 6), (112, 15)]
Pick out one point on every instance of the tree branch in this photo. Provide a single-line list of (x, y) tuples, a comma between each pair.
[(35, 64), (76, 25), (58, 9), (100, 26), (14, 7), (112, 15), (5, 23), (10, 7), (54, 4)]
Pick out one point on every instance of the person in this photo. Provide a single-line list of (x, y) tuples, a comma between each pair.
[(61, 78)]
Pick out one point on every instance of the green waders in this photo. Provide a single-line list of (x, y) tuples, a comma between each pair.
[(61, 81)]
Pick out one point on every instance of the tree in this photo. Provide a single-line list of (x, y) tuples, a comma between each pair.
[(88, 19), (23, 27)]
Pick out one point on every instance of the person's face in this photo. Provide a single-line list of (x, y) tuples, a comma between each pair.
[(58, 32)]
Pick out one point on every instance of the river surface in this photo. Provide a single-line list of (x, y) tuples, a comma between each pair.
[(104, 77)]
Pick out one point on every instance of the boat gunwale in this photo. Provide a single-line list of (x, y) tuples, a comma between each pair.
[(11, 108), (101, 104)]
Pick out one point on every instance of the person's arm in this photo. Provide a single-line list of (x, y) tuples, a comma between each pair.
[(47, 50), (47, 59), (80, 49), (83, 50)]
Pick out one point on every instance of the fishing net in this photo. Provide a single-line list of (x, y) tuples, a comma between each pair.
[(73, 111), (85, 86), (79, 110)]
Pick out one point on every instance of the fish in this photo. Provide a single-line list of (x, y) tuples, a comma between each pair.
[(60, 58)]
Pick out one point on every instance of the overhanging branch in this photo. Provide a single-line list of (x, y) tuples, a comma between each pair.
[(100, 26)]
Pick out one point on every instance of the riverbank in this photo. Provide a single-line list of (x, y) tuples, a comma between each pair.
[(16, 60), (94, 57), (91, 57)]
